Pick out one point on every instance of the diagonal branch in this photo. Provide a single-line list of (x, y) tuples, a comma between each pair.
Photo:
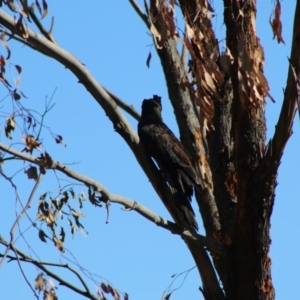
[(213, 246), (139, 11), (126, 107), (284, 126), (48, 35)]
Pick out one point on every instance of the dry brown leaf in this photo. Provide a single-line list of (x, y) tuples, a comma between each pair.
[(42, 236), (45, 8), (32, 173), (15, 95), (21, 28), (64, 198), (59, 140), (62, 234), (110, 289), (47, 161), (19, 70), (168, 296), (59, 244), (3, 39), (104, 288), (113, 292), (116, 295), (40, 282), (77, 213), (50, 294), (148, 59), (73, 227), (31, 143), (50, 218), (9, 127), (276, 23), (73, 194)]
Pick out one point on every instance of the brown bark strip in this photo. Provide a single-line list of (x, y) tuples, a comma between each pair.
[(214, 97), (180, 92), (248, 261), (285, 123), (181, 95)]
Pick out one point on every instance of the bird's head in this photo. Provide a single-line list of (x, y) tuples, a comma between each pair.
[(152, 107)]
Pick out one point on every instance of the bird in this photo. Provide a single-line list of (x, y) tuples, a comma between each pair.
[(173, 160)]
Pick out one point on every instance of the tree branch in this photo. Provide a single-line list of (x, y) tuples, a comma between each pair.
[(126, 107), (213, 246), (20, 216), (284, 126), (41, 265), (47, 34), (139, 11)]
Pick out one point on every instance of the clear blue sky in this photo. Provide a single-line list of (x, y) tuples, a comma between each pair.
[(134, 255)]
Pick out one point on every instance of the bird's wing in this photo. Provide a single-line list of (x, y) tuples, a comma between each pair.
[(175, 162), (172, 148)]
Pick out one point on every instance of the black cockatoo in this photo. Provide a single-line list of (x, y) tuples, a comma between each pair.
[(171, 157)]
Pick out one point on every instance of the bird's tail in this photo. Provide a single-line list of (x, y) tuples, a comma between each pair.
[(185, 210), (182, 194)]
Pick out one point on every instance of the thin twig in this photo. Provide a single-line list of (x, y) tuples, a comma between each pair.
[(126, 107), (140, 12), (47, 34), (22, 271), (17, 221), (48, 107)]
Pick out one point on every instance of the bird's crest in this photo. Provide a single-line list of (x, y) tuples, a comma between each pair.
[(152, 107)]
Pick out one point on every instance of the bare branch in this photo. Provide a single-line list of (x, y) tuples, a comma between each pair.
[(126, 107), (140, 12), (213, 246), (122, 104), (41, 265), (21, 269), (17, 221), (285, 123)]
